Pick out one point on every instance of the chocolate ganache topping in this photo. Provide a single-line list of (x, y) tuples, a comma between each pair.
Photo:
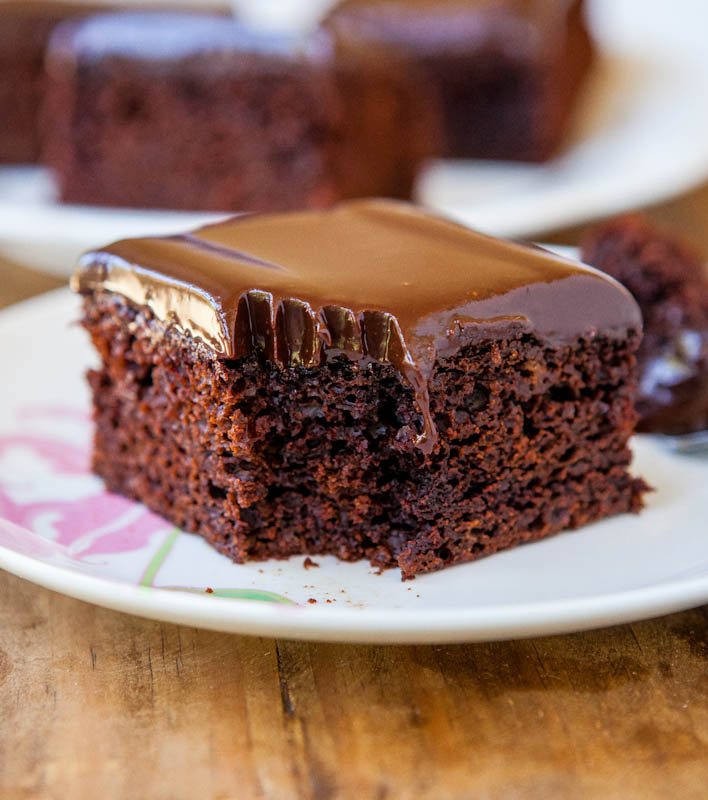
[(371, 279)]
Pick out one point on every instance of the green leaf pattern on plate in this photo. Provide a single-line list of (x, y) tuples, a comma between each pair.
[(237, 594)]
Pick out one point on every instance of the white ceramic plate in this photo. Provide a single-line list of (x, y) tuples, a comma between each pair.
[(60, 529), (641, 136)]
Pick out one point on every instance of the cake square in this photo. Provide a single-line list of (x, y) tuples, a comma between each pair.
[(372, 381), (25, 29), (504, 75), (184, 111)]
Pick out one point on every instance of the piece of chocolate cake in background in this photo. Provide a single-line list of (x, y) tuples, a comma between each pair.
[(25, 28), (504, 74), (370, 381), (160, 110), (670, 282), (388, 127)]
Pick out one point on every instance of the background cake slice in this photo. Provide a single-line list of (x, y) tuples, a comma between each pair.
[(670, 282), (371, 381), (25, 28), (197, 112), (504, 74)]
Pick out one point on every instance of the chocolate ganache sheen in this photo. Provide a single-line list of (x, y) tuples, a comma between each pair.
[(370, 279)]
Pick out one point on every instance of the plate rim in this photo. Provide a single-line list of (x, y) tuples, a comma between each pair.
[(365, 626)]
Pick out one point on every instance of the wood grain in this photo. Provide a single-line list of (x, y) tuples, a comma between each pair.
[(96, 704), (100, 704)]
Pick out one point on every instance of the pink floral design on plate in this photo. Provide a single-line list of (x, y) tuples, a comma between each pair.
[(46, 487), (53, 508)]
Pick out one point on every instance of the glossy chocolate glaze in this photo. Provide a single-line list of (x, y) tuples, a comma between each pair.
[(371, 279)]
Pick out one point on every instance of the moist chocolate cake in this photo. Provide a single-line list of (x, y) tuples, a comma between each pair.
[(370, 381), (504, 74), (670, 283), (165, 110)]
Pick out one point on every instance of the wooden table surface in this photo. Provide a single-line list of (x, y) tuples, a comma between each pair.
[(97, 704)]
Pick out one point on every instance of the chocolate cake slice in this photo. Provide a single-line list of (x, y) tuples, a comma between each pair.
[(370, 381), (670, 282), (25, 29), (195, 112), (503, 74)]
